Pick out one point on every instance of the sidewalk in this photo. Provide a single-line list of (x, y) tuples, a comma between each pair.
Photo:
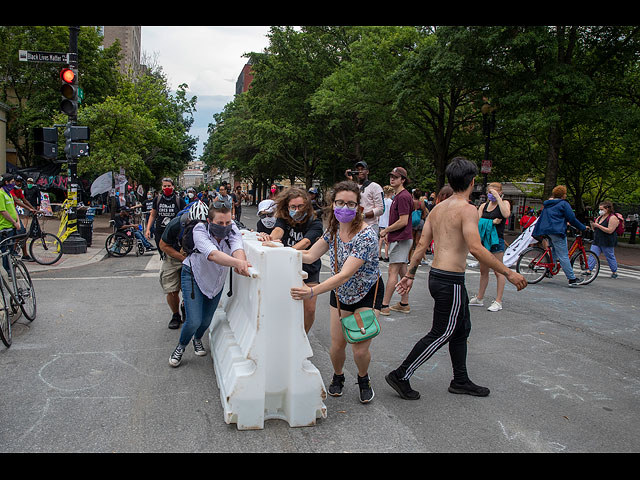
[(94, 253)]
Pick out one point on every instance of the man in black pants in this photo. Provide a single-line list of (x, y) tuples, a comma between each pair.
[(453, 226)]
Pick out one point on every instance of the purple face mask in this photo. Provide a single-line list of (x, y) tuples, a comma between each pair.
[(345, 214), (491, 197)]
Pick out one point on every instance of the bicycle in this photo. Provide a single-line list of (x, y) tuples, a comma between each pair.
[(45, 248), (18, 287), (536, 262)]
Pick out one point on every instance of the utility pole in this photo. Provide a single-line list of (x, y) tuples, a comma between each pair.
[(74, 243)]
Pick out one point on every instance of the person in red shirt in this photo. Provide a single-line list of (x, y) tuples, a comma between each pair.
[(399, 234), (19, 198), (527, 219)]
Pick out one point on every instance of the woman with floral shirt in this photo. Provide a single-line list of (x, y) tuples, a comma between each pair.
[(358, 275)]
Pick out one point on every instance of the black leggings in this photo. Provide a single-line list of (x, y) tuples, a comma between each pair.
[(451, 323)]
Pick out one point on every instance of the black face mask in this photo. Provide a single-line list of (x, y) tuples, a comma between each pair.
[(220, 231)]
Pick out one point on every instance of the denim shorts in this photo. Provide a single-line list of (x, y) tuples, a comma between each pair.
[(498, 248)]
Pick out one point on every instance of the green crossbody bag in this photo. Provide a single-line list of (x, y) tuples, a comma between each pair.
[(360, 326)]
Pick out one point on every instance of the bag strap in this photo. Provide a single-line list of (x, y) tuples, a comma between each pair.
[(335, 265)]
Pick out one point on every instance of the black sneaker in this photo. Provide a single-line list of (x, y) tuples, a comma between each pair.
[(574, 282), (198, 348), (175, 321), (402, 387), (366, 392), (176, 356), (335, 389), (468, 388), (27, 258)]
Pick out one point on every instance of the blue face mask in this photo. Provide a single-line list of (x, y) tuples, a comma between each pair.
[(298, 217)]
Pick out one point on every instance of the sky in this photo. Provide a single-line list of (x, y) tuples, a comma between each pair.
[(208, 59)]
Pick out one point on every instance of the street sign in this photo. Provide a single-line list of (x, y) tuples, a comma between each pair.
[(47, 57)]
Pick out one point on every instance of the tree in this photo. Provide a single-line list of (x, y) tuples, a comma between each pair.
[(33, 89)]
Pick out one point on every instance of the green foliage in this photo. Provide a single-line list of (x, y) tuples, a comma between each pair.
[(136, 124)]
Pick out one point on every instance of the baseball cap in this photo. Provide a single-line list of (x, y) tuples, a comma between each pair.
[(362, 164), (267, 206), (399, 171)]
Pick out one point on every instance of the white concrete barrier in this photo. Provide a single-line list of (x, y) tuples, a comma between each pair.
[(259, 347)]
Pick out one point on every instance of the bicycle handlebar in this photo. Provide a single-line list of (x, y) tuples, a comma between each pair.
[(14, 237)]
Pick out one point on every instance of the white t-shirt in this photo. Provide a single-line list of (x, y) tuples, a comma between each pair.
[(384, 218)]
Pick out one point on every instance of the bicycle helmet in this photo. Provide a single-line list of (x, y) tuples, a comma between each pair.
[(198, 211)]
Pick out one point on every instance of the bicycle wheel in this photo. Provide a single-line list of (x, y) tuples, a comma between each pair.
[(118, 245), (528, 267), (46, 249), (25, 292), (5, 321), (580, 268)]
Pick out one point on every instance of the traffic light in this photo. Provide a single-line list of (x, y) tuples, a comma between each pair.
[(73, 148), (46, 142), (69, 91)]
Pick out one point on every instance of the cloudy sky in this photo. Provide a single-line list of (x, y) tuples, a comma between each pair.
[(208, 59)]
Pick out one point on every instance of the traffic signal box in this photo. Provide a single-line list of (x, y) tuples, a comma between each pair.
[(69, 91), (46, 142), (73, 148)]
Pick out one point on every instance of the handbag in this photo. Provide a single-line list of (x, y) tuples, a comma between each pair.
[(359, 326)]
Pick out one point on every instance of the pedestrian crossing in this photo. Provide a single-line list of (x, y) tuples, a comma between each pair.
[(472, 268)]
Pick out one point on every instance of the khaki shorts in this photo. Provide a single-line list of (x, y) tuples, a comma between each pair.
[(170, 274), (399, 251)]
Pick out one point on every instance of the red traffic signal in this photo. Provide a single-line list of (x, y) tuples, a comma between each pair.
[(69, 91), (67, 75)]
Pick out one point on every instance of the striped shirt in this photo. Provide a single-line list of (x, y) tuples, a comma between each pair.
[(210, 276)]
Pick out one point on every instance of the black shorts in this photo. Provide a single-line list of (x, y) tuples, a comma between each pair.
[(364, 302), (313, 277)]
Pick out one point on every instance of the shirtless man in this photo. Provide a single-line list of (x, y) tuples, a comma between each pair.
[(453, 225)]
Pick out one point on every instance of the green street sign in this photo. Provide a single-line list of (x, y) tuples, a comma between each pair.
[(80, 94)]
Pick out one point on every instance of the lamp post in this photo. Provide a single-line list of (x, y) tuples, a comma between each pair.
[(488, 126)]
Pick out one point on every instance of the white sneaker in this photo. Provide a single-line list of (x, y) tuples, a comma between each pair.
[(495, 307), (474, 302)]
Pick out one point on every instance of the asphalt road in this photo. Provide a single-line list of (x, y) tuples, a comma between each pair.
[(91, 374)]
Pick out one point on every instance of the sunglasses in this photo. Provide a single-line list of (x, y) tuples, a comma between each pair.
[(220, 204)]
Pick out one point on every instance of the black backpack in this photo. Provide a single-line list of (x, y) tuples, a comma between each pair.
[(186, 236)]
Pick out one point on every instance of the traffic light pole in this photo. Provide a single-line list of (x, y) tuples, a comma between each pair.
[(74, 243)]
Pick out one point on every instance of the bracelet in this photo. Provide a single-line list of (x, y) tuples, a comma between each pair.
[(311, 293), (410, 278)]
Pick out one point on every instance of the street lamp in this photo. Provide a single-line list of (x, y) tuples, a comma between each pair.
[(488, 126)]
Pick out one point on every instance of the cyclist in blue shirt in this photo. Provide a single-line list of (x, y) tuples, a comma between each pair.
[(553, 224)]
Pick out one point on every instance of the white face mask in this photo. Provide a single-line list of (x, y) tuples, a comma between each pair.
[(601, 212), (191, 195), (269, 222)]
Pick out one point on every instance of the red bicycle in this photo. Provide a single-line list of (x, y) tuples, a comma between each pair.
[(536, 262)]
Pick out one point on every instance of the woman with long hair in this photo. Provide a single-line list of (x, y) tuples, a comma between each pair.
[(353, 251), (297, 227), (605, 237), (498, 211)]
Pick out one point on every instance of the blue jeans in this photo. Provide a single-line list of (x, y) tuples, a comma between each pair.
[(7, 246), (140, 237), (560, 252), (199, 309), (609, 255)]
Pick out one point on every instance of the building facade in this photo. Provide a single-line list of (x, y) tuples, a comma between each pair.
[(130, 42)]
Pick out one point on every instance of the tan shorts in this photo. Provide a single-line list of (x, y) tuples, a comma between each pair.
[(170, 274)]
